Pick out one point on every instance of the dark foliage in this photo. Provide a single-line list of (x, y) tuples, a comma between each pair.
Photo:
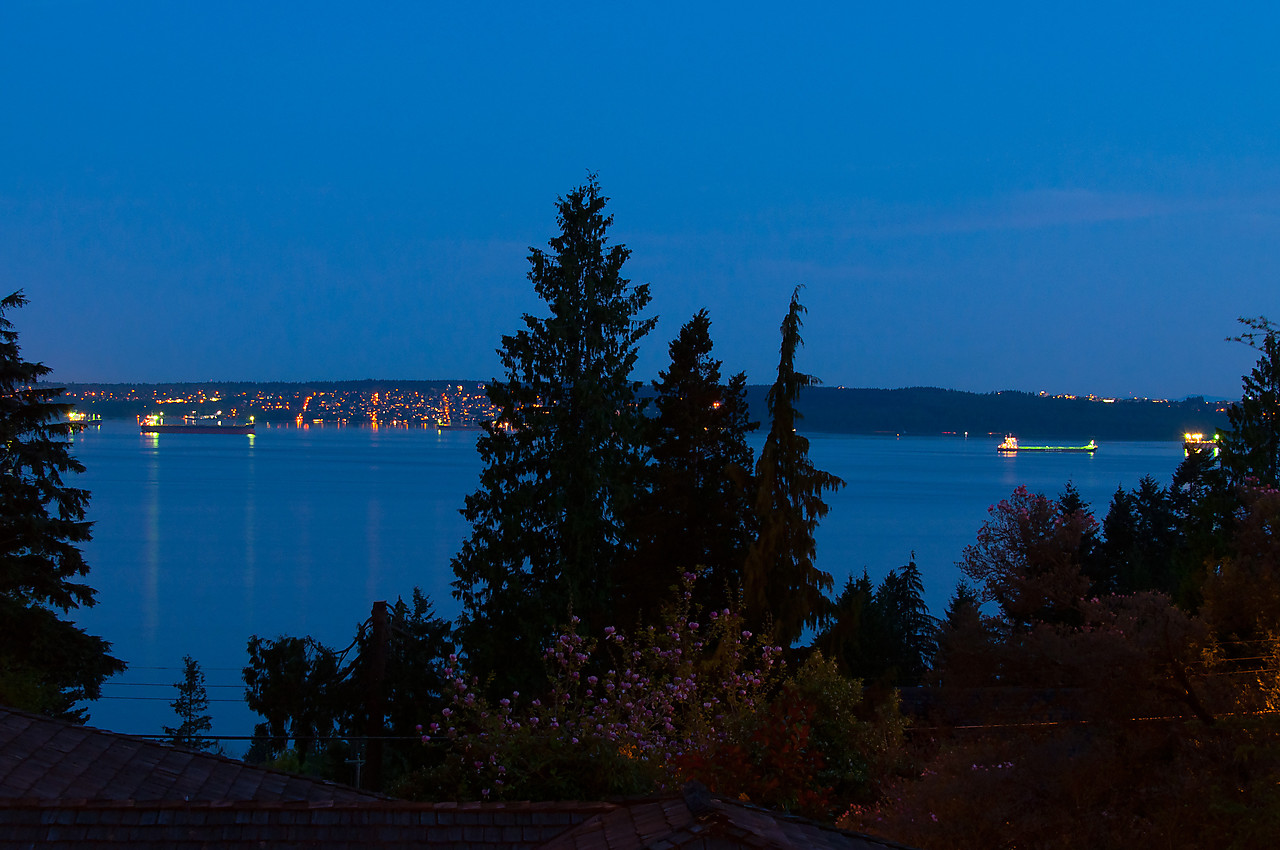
[(414, 682), (1142, 533), (325, 707), (883, 635), (47, 664), (192, 708), (560, 468), (1027, 559), (695, 513), (1251, 445), (783, 587), (292, 683)]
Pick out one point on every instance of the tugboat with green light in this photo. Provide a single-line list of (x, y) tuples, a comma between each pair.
[(1010, 446)]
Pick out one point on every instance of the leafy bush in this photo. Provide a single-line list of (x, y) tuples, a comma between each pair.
[(698, 697)]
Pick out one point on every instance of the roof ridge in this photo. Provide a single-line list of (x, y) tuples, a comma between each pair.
[(162, 749)]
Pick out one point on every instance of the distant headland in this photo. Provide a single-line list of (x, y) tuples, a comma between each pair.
[(920, 411), (913, 411)]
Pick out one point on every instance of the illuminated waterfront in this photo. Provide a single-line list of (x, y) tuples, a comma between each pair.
[(436, 403)]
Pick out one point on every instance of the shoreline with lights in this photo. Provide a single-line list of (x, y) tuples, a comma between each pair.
[(912, 411)]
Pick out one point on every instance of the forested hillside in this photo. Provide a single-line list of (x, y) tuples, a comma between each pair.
[(923, 411)]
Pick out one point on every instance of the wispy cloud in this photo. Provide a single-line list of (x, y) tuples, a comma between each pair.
[(1038, 209)]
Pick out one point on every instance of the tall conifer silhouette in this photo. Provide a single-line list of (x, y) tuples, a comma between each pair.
[(695, 512), (782, 584), (46, 663), (561, 463)]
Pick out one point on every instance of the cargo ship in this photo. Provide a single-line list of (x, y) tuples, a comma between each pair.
[(155, 424), (1010, 445)]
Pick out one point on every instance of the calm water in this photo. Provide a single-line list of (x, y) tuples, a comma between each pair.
[(203, 540)]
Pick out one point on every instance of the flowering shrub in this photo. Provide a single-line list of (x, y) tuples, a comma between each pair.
[(698, 696)]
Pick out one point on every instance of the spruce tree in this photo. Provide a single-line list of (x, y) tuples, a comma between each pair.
[(909, 632), (1251, 447), (561, 463), (850, 635), (192, 708), (47, 664), (1142, 538), (695, 513), (782, 584), (885, 634), (1110, 570)]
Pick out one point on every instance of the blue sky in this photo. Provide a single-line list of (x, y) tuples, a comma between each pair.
[(1007, 197)]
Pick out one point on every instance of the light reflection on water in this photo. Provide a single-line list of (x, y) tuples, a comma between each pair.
[(202, 540)]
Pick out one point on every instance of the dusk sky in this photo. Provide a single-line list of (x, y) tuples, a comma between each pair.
[(974, 196)]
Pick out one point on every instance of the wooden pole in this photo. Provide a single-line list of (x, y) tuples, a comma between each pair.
[(375, 694)]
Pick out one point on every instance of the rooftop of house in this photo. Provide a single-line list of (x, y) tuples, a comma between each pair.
[(63, 785)]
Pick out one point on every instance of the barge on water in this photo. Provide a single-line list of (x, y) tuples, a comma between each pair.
[(1010, 446), (155, 424)]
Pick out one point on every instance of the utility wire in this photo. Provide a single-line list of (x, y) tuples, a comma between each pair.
[(158, 685), (170, 699)]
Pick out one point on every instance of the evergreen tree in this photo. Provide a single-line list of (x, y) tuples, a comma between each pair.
[(414, 679), (1107, 573), (885, 634), (561, 464), (851, 635), (782, 585), (964, 641), (1251, 447), (1089, 552), (1206, 508), (908, 632), (696, 510), (964, 609), (412, 686), (46, 663), (1141, 538), (192, 708)]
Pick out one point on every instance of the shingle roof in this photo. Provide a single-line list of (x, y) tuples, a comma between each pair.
[(64, 786), (373, 825), (46, 759), (682, 822)]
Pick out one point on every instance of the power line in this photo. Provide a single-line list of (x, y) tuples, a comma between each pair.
[(183, 669), (171, 699), (158, 685)]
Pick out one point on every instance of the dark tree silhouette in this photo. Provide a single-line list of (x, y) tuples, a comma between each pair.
[(47, 664), (1142, 536), (1251, 447), (291, 682), (561, 465), (883, 634), (695, 512), (1027, 559), (192, 708), (782, 584)]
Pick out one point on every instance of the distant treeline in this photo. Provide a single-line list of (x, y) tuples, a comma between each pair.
[(923, 411), (916, 411)]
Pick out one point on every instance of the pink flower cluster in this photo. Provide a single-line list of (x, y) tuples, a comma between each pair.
[(682, 687)]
